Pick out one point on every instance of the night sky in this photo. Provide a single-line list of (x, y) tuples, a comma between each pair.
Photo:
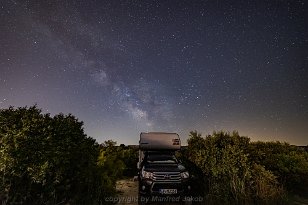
[(127, 66)]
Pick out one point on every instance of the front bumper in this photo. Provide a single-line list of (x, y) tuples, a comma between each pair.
[(150, 187)]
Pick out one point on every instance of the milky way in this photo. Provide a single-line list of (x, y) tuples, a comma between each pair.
[(126, 66)]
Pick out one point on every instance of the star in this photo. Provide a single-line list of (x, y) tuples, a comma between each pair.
[(129, 67)]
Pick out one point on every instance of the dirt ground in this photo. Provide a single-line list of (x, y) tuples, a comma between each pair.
[(127, 192)]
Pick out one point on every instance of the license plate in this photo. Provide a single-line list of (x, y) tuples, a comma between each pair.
[(168, 191)]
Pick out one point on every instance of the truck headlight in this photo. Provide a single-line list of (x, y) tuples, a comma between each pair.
[(185, 175), (145, 174)]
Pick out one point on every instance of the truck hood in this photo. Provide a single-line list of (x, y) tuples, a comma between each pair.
[(164, 168)]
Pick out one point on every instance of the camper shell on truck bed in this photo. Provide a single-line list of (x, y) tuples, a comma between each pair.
[(159, 141), (160, 173)]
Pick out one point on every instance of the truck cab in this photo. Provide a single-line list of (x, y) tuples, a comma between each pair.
[(161, 174)]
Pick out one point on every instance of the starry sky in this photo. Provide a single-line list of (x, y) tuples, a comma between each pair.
[(130, 66)]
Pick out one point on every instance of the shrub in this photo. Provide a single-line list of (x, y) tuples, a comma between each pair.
[(228, 174), (47, 160), (265, 186), (287, 162)]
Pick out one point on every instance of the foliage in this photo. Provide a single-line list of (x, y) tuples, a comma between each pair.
[(110, 161), (122, 160), (228, 174), (265, 187), (130, 159), (287, 162), (47, 160)]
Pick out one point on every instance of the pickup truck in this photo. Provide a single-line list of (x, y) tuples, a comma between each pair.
[(162, 177)]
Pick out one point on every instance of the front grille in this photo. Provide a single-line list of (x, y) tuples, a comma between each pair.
[(167, 176)]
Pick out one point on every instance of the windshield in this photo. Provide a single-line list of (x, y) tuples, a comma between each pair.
[(169, 159)]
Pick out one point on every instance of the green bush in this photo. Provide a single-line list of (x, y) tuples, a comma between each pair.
[(228, 174), (130, 159), (47, 160), (287, 162), (122, 160), (264, 187)]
